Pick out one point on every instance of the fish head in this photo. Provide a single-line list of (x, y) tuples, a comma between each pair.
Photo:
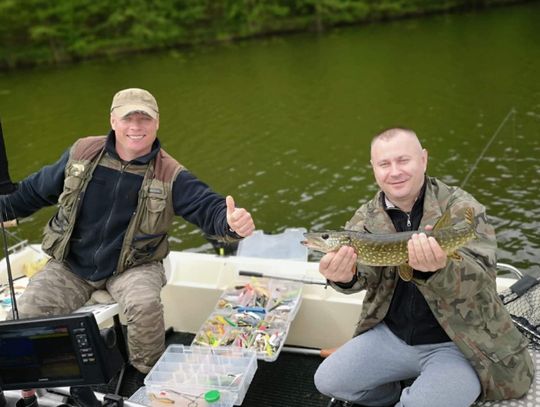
[(326, 241)]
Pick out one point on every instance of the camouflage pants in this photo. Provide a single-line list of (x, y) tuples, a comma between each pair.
[(57, 291)]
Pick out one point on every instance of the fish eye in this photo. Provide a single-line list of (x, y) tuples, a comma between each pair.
[(325, 236)]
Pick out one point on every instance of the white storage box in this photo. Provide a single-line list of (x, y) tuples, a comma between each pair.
[(213, 377), (285, 245)]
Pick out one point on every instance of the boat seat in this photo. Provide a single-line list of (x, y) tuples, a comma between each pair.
[(104, 312)]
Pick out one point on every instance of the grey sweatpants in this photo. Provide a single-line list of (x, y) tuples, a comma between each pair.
[(368, 370), (57, 291)]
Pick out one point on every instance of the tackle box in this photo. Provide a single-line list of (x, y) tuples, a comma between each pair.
[(201, 376), (253, 314)]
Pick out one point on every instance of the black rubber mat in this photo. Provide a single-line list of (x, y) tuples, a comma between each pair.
[(286, 382)]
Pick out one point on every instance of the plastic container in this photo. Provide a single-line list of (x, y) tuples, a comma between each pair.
[(285, 245), (207, 376), (276, 297), (254, 314), (265, 336), (140, 397)]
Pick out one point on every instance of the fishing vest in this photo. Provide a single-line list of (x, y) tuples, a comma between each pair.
[(146, 235)]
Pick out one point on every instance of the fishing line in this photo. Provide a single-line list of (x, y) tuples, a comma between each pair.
[(514, 143), (512, 112), (5, 214)]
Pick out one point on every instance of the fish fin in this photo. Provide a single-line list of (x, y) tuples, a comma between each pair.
[(469, 216), (455, 256), (405, 272), (444, 221)]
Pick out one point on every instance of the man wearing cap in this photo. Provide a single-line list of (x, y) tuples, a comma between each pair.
[(117, 196)]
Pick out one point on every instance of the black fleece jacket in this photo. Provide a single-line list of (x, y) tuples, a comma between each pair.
[(409, 316)]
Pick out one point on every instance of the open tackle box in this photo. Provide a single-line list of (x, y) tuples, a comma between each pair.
[(253, 314), (200, 376)]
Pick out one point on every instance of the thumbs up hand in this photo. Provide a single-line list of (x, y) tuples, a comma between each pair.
[(239, 220)]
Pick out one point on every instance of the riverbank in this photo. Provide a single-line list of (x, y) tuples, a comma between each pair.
[(35, 32)]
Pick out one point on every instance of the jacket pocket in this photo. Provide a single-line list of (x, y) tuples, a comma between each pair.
[(54, 232), (503, 347), (507, 368), (146, 248), (71, 185), (152, 221)]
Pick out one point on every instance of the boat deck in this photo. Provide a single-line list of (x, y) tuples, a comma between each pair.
[(288, 381)]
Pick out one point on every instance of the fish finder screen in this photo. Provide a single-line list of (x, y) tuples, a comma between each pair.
[(37, 354)]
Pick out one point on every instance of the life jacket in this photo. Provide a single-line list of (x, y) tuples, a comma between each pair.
[(145, 239)]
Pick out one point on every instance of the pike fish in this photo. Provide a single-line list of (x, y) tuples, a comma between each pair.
[(390, 249)]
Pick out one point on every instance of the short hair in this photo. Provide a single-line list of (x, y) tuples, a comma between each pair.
[(392, 132)]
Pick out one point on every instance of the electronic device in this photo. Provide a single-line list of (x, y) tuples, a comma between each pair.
[(57, 351)]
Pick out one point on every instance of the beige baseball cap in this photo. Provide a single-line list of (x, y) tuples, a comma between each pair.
[(131, 100)]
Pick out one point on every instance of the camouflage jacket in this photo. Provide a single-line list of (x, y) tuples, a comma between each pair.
[(462, 296)]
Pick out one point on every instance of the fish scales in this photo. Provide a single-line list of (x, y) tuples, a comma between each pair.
[(391, 249)]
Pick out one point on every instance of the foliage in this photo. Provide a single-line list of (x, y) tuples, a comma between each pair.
[(44, 31)]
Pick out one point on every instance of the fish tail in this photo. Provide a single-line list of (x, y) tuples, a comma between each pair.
[(471, 220)]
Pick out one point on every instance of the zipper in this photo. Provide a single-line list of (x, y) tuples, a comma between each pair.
[(411, 293), (107, 222), (122, 259), (408, 214)]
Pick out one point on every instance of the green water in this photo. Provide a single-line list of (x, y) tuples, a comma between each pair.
[(283, 124)]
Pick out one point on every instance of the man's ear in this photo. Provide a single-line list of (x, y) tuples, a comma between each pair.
[(113, 121)]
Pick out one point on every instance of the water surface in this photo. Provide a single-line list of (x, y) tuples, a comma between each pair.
[(283, 124)]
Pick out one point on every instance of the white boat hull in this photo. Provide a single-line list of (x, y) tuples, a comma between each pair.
[(325, 319), (195, 281)]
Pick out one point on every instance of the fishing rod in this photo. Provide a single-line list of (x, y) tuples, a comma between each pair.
[(305, 280), (6, 188), (512, 112), (518, 321), (20, 242)]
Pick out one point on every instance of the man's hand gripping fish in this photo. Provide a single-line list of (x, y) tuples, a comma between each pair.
[(390, 249)]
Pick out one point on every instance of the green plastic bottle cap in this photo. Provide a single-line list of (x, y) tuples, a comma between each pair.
[(212, 396)]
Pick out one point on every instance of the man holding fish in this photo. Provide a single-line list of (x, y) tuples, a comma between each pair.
[(431, 310)]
